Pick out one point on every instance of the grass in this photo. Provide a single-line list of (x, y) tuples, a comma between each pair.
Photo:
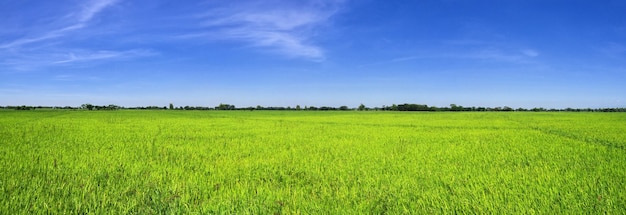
[(286, 162)]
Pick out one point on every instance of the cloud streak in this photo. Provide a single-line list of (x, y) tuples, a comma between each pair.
[(494, 55), (287, 29), (48, 45), (612, 50), (79, 20), (93, 8), (46, 36), (85, 56), (33, 61)]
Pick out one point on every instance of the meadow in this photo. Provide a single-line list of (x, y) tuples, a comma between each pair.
[(311, 162)]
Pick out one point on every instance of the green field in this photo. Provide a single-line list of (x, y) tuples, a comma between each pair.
[(268, 162)]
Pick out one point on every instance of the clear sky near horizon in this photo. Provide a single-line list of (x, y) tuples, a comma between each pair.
[(517, 53)]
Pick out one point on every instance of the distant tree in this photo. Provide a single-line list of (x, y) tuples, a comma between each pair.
[(87, 106), (225, 107), (326, 108), (23, 107), (394, 107), (343, 108), (112, 107), (454, 107), (171, 106), (538, 109), (298, 107), (361, 107), (413, 107)]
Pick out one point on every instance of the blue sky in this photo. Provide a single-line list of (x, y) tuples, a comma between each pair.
[(551, 54)]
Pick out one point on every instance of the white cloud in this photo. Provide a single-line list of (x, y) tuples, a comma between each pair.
[(282, 27), (33, 61), (77, 21), (44, 45), (487, 54), (67, 77), (494, 55), (83, 56), (613, 50), (530, 52), (46, 36), (92, 8)]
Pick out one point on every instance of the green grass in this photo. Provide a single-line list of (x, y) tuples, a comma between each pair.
[(265, 162)]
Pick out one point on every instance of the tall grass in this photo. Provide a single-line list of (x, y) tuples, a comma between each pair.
[(265, 162)]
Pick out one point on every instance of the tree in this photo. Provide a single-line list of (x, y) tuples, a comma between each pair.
[(112, 107), (23, 107), (454, 107), (171, 106), (538, 109), (225, 107), (361, 107), (394, 107), (298, 107), (87, 106), (413, 107), (343, 108)]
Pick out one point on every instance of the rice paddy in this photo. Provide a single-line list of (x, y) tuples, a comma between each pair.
[(311, 162)]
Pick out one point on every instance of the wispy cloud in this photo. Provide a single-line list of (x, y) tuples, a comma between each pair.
[(85, 56), (612, 50), (492, 49), (34, 61), (530, 52), (51, 44), (74, 22), (92, 8), (499, 55), (67, 77), (284, 27), (484, 54), (45, 36)]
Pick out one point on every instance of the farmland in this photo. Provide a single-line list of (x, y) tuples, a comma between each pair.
[(311, 162)]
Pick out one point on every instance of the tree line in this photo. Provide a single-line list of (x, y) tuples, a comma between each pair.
[(362, 107)]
